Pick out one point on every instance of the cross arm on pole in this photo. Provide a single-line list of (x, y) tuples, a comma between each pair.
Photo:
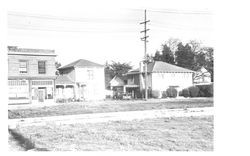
[(145, 22)]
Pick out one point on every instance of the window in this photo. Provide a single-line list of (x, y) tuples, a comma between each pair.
[(90, 74), (23, 66), (39, 83), (41, 67)]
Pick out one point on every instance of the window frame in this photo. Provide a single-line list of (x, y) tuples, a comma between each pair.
[(26, 61), (40, 69), (90, 74)]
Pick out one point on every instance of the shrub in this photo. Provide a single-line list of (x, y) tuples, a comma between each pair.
[(211, 91), (156, 94), (185, 92), (171, 92), (193, 91), (164, 94), (180, 93), (205, 90), (141, 93)]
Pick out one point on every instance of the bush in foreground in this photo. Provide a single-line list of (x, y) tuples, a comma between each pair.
[(164, 94), (205, 90), (193, 91), (171, 92), (156, 93), (185, 92)]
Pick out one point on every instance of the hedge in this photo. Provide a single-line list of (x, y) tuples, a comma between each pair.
[(185, 92), (205, 90), (171, 92), (156, 93), (164, 94), (193, 91)]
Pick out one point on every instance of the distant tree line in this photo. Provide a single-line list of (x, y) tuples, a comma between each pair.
[(190, 55)]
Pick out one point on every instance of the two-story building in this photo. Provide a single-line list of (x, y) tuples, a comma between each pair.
[(81, 80), (31, 75)]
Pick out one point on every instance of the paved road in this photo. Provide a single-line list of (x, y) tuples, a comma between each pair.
[(113, 116)]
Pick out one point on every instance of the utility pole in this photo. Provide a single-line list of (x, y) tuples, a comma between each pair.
[(145, 61)]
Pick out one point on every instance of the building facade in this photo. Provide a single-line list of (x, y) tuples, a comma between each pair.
[(31, 75), (160, 76), (81, 80)]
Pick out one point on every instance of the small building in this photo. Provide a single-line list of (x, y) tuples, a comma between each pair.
[(161, 75), (31, 75), (118, 85), (81, 80), (202, 76)]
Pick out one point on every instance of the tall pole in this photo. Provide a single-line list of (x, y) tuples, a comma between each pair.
[(145, 52)]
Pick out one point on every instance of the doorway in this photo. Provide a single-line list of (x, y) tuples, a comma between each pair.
[(41, 94)]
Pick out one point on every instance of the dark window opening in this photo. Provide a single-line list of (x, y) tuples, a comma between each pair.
[(41, 67)]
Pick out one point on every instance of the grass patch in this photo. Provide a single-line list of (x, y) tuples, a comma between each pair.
[(108, 106), (161, 134)]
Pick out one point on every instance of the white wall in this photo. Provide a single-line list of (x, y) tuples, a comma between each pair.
[(95, 88), (161, 81)]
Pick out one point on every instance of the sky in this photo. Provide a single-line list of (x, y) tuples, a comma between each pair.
[(108, 30)]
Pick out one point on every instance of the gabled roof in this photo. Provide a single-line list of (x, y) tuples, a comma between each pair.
[(159, 66), (64, 79), (117, 81), (81, 63)]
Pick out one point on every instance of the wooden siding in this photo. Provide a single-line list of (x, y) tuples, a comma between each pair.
[(13, 65)]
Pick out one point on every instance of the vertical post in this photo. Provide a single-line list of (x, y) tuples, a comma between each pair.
[(145, 55), (54, 90), (145, 52), (30, 91)]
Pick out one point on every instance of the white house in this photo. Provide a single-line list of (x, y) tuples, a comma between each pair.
[(202, 76), (161, 75), (82, 80)]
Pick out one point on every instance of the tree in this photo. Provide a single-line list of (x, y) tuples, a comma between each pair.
[(120, 68), (200, 61), (209, 57), (157, 56), (172, 44), (195, 46), (199, 55), (184, 56), (166, 55), (57, 64)]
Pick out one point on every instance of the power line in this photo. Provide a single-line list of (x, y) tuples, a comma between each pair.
[(173, 11), (74, 19), (183, 13), (56, 29)]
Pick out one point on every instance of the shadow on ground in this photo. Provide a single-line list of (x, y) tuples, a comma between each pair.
[(23, 142)]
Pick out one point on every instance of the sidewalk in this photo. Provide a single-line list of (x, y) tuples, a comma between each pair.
[(114, 116)]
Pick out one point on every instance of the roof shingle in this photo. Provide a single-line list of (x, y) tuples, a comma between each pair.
[(81, 63), (63, 79), (159, 66)]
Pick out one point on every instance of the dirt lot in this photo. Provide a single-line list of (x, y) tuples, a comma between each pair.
[(162, 134), (108, 106)]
